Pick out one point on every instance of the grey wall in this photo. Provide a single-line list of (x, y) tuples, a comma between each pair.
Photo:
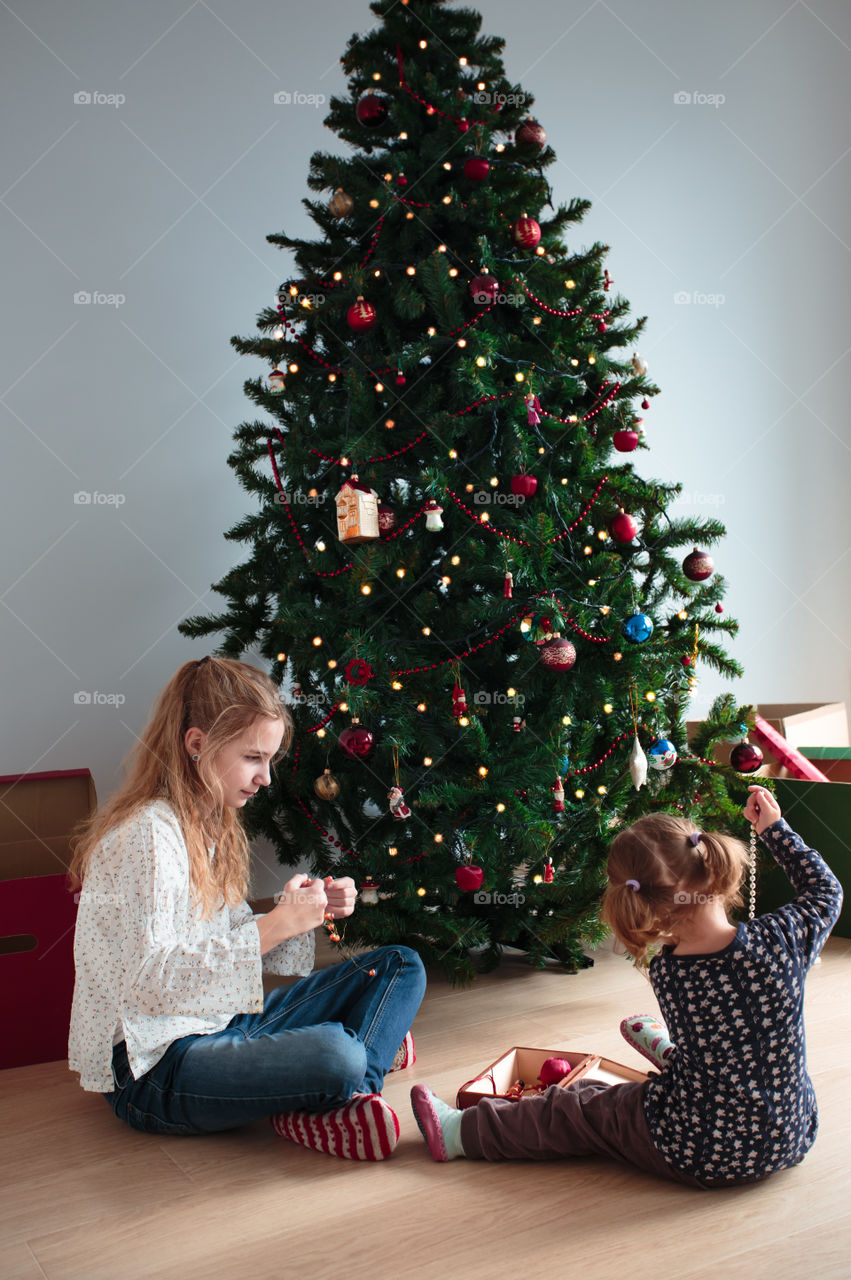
[(737, 199)]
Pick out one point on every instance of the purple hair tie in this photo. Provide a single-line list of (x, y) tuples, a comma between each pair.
[(632, 884), (695, 838)]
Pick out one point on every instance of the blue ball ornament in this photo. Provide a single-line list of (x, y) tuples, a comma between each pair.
[(662, 754), (638, 628)]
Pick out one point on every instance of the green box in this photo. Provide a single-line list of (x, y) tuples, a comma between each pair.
[(820, 812)]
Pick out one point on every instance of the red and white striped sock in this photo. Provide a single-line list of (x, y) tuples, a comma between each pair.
[(364, 1128), (405, 1055)]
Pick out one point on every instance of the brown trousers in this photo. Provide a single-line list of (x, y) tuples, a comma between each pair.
[(588, 1119)]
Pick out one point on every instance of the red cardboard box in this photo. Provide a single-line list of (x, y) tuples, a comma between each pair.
[(37, 912), (525, 1064)]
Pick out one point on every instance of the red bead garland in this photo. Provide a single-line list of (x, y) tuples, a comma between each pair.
[(589, 768), (384, 457), (522, 541)]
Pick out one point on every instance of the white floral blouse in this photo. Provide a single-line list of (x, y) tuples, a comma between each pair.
[(148, 968)]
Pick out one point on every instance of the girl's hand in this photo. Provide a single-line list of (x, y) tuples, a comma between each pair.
[(342, 896), (762, 809), (302, 905)]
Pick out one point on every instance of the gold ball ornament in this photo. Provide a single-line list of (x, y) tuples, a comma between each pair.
[(327, 787), (341, 203)]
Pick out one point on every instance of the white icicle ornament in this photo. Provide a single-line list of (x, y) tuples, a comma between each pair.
[(638, 765)]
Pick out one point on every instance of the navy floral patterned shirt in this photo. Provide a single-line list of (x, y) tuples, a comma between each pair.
[(734, 1101)]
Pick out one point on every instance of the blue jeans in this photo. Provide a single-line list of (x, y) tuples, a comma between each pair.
[(317, 1042)]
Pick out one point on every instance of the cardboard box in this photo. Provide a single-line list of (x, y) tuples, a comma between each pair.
[(525, 1064), (37, 912), (802, 724), (834, 762)]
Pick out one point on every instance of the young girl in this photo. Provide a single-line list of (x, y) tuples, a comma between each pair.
[(733, 1102), (169, 1020)]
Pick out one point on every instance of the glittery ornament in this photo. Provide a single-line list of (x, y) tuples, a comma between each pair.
[(638, 765)]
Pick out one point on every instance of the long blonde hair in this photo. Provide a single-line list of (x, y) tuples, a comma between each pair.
[(657, 873), (223, 698)]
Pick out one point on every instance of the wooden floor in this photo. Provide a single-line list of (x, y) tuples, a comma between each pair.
[(86, 1198)]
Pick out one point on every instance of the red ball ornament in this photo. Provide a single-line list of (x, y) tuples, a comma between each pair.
[(468, 878), (476, 168), (361, 316), (625, 441), (484, 289), (401, 180), (356, 741), (623, 528), (554, 1070), (530, 134), (698, 565), (602, 327), (745, 757), (685, 660), (371, 110), (557, 654), (526, 232), (386, 518), (645, 403), (524, 485), (719, 608), (400, 379), (463, 125)]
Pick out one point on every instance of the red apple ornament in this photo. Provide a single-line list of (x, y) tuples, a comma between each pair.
[(554, 1070), (469, 877)]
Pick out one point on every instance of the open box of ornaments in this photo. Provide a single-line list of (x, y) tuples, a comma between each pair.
[(521, 1072)]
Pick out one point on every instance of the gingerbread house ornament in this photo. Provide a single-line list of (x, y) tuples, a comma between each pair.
[(357, 512)]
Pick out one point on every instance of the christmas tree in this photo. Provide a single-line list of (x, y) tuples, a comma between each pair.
[(483, 616)]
